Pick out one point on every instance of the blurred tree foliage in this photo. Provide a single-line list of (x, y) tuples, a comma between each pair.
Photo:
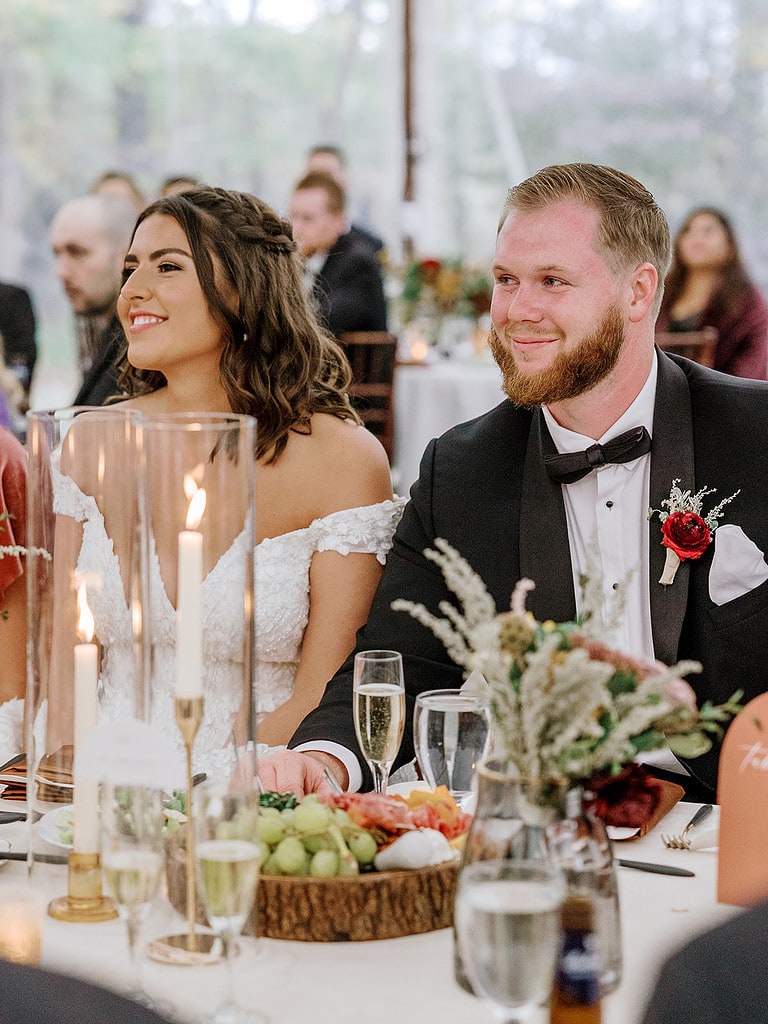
[(674, 92)]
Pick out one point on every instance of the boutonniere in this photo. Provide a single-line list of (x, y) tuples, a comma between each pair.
[(685, 532)]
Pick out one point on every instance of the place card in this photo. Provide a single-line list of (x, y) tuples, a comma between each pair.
[(742, 792)]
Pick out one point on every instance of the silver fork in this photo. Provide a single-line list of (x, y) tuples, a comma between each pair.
[(680, 840)]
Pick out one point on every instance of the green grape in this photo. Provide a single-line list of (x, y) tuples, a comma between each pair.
[(286, 816), (269, 812), (363, 846), (314, 843), (291, 857), (264, 853), (348, 867), (341, 818), (311, 817), (324, 864), (271, 829), (245, 824), (269, 866)]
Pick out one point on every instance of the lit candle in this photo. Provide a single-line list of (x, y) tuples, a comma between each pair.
[(22, 912), (189, 635), (86, 796)]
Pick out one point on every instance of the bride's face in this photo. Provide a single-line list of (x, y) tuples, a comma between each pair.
[(162, 307)]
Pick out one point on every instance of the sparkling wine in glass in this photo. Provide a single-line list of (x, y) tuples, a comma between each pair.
[(379, 710), (508, 928), (227, 862), (133, 860)]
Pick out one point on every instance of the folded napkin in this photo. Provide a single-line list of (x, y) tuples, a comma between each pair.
[(737, 567), (633, 799)]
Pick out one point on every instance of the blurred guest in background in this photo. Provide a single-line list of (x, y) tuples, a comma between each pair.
[(119, 185), (717, 978), (342, 273), (89, 237), (13, 591), (17, 330), (331, 160), (178, 183), (708, 286)]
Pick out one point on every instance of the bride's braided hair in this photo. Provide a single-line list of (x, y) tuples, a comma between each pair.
[(278, 363)]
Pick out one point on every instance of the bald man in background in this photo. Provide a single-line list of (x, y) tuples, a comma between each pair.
[(89, 237)]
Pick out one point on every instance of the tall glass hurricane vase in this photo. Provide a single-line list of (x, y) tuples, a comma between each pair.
[(200, 492), (87, 599)]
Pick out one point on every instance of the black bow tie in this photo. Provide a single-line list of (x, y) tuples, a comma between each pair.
[(572, 466)]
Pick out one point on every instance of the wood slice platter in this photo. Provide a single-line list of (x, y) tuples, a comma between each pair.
[(374, 905)]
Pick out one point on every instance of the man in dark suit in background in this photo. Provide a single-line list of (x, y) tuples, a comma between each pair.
[(581, 254), (343, 274), (331, 160), (89, 237), (17, 330)]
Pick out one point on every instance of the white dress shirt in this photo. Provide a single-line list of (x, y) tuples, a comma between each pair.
[(606, 515)]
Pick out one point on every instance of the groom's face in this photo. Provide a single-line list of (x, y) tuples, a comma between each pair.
[(558, 324)]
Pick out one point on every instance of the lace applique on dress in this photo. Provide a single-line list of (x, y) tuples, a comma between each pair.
[(282, 609)]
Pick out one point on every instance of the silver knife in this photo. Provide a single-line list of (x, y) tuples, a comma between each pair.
[(657, 869)]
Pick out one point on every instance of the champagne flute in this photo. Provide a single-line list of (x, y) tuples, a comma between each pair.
[(133, 859), (508, 927), (227, 861), (379, 710)]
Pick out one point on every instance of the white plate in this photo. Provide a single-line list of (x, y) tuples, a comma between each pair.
[(50, 826), (5, 847), (404, 788)]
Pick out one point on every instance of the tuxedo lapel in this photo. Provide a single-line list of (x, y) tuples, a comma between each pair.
[(545, 555), (672, 458)]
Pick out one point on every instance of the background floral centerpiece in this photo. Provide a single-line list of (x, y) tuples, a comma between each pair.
[(442, 288), (565, 706)]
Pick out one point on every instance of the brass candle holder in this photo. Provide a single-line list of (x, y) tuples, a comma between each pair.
[(189, 948), (85, 902)]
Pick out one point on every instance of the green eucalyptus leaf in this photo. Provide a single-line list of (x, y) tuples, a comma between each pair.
[(690, 746)]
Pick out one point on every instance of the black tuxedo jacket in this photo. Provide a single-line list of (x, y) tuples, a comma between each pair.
[(348, 289), (100, 382), (484, 489)]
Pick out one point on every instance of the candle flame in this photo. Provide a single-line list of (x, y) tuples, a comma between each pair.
[(197, 499), (85, 623)]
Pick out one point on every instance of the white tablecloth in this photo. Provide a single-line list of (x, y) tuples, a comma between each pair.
[(430, 399), (408, 980)]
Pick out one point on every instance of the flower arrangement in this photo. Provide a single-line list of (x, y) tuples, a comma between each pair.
[(565, 705), (685, 533), (446, 287)]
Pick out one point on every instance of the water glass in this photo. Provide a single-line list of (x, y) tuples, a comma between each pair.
[(450, 734), (379, 710), (508, 929)]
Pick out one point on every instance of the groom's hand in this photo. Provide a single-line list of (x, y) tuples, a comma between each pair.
[(289, 771)]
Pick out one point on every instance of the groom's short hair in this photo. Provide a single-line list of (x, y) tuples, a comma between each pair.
[(633, 227)]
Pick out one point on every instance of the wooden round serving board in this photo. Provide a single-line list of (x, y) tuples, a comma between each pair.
[(375, 905)]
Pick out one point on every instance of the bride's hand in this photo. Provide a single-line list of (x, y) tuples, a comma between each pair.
[(289, 771)]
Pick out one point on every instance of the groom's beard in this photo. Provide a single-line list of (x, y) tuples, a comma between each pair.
[(573, 370)]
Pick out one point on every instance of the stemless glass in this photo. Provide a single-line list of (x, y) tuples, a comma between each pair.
[(379, 710), (227, 861), (133, 858), (450, 733), (508, 927)]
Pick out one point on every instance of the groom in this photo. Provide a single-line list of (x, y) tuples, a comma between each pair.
[(581, 255)]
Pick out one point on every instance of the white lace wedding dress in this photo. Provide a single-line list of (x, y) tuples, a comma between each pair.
[(282, 608)]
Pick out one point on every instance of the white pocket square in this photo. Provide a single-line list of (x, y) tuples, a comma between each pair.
[(738, 565)]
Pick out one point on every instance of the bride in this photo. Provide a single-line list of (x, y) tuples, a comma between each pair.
[(214, 312)]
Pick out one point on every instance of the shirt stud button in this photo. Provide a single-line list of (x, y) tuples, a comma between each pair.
[(615, 586), (609, 504)]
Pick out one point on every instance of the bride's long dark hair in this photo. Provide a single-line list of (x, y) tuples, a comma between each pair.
[(278, 363)]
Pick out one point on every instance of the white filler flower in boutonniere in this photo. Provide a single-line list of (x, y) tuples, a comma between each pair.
[(685, 533)]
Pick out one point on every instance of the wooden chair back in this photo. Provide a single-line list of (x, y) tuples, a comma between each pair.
[(371, 355), (696, 345)]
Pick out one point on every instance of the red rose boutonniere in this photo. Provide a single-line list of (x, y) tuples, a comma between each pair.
[(685, 532)]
